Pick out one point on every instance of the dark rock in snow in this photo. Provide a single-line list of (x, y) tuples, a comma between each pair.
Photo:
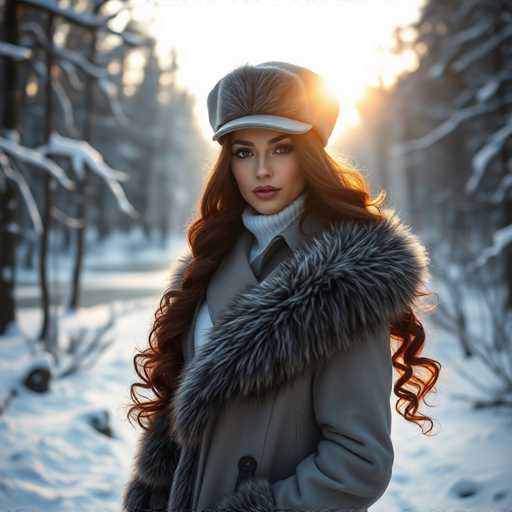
[(38, 380), (100, 421), (465, 488)]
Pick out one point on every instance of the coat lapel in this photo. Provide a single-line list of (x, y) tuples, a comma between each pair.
[(232, 277), (236, 273), (350, 278), (281, 248), (188, 345)]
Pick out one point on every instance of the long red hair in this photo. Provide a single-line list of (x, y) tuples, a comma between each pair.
[(336, 191)]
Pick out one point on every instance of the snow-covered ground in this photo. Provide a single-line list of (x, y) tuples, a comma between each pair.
[(466, 465), (53, 460)]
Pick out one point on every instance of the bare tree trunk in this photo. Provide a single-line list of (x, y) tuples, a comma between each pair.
[(501, 64), (8, 196), (83, 184), (48, 186)]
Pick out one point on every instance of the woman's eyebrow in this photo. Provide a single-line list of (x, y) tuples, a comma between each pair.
[(271, 141)]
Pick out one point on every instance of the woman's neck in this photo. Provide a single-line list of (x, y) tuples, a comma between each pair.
[(265, 227)]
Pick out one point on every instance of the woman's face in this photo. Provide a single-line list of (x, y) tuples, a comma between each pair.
[(265, 158)]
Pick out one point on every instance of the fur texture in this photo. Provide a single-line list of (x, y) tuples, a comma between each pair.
[(248, 92), (253, 495), (349, 279), (344, 282), (156, 460)]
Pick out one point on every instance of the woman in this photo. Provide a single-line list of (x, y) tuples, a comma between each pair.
[(270, 356)]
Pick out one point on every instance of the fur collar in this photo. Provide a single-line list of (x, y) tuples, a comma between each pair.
[(351, 278)]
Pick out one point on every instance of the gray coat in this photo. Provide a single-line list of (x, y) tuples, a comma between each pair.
[(287, 405)]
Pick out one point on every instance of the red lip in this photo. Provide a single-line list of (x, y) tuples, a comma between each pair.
[(264, 189)]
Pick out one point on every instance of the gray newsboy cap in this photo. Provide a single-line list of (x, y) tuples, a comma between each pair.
[(275, 95)]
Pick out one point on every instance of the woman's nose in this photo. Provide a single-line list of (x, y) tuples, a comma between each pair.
[(263, 168)]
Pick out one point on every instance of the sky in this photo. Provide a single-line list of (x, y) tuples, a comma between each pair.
[(346, 41)]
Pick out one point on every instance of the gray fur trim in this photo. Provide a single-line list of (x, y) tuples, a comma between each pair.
[(344, 282), (182, 484), (178, 269), (136, 496), (156, 459), (157, 454), (252, 495)]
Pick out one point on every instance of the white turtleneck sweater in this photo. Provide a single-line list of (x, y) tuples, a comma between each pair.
[(264, 228)]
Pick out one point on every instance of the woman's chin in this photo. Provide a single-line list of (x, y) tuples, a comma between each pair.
[(268, 206)]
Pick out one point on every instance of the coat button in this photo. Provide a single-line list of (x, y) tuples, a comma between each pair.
[(247, 464), (246, 468)]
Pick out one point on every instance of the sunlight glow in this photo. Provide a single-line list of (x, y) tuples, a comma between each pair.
[(346, 41)]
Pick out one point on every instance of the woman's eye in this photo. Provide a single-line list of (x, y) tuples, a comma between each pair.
[(287, 148), (237, 153)]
